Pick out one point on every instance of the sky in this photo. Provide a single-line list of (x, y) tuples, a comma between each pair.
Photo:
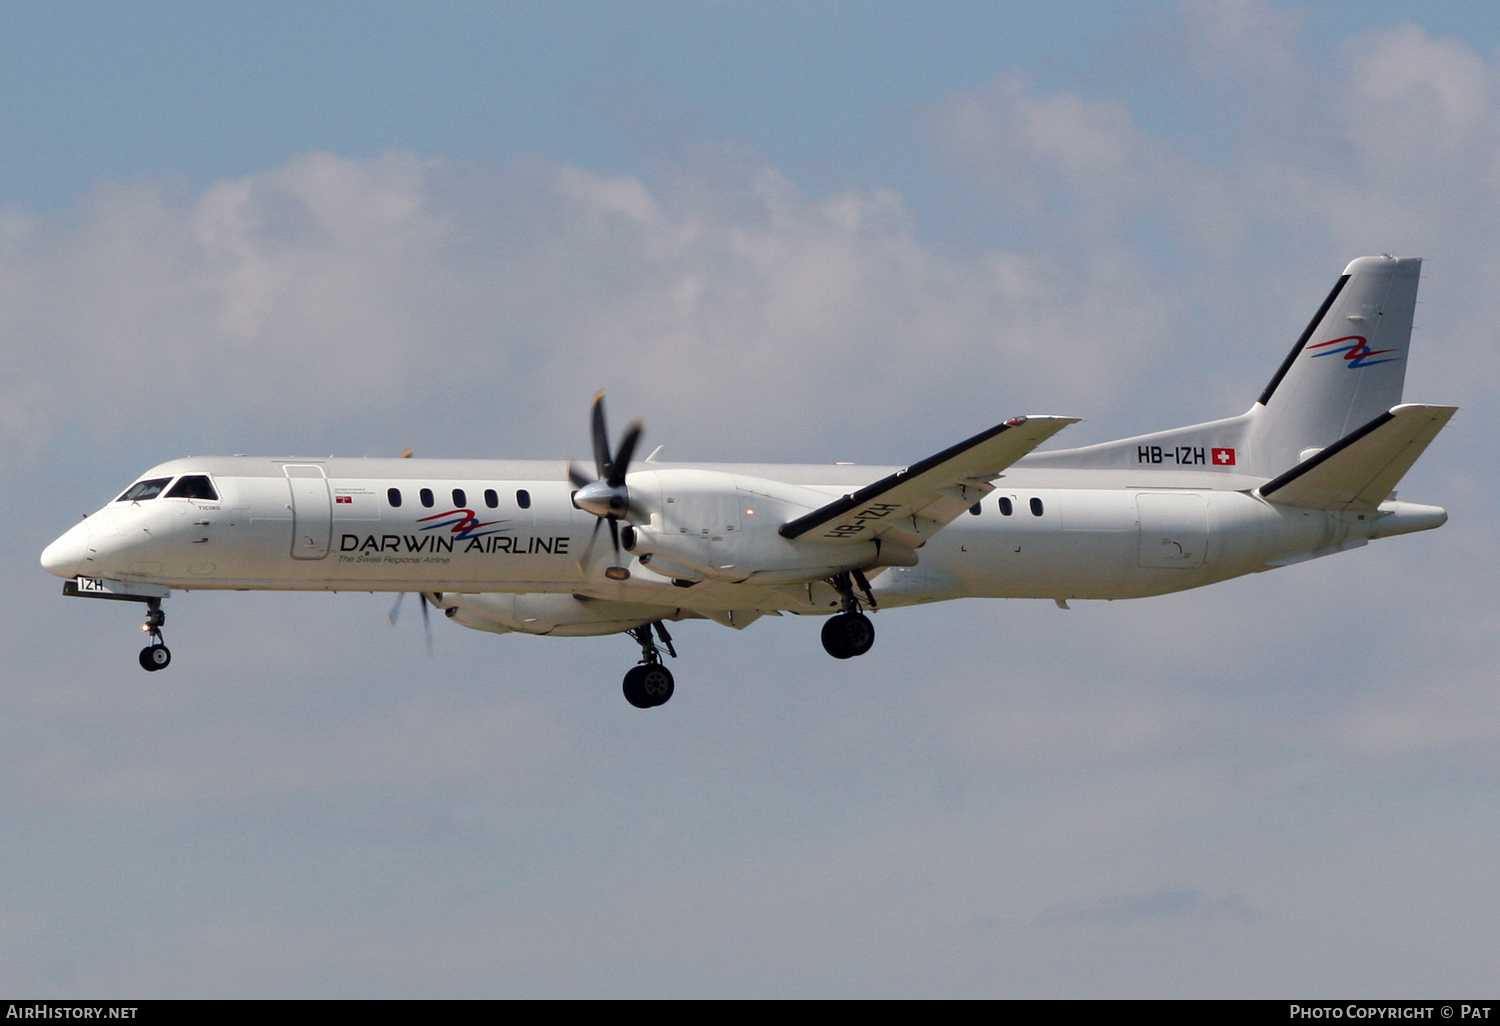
[(775, 231)]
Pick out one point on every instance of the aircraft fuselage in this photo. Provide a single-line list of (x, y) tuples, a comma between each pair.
[(334, 525)]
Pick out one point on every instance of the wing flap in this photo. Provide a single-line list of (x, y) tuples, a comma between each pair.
[(917, 502), (1360, 470)]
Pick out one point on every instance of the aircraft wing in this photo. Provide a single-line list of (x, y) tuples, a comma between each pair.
[(913, 504)]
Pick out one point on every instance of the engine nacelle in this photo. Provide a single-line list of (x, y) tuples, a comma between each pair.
[(769, 560), (564, 616), (709, 525)]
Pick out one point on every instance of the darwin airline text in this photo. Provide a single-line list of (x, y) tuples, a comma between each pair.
[(432, 543)]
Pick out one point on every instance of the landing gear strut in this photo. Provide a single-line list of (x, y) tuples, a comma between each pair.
[(850, 633), (155, 656), (650, 684)]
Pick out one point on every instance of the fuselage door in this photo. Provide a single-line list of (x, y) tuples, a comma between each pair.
[(1173, 529), (312, 511)]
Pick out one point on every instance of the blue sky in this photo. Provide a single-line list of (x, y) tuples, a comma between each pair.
[(799, 231), (183, 91), (172, 90)]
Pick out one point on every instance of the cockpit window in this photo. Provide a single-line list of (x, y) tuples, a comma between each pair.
[(143, 490), (193, 486)]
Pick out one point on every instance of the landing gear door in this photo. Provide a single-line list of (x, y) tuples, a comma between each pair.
[(312, 511)]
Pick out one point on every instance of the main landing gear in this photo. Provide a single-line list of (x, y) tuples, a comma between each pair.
[(155, 656), (849, 633), (650, 684)]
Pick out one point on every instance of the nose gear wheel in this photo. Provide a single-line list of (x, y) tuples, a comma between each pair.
[(155, 656)]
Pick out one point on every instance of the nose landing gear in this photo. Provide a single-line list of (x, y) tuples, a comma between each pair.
[(650, 684), (155, 656)]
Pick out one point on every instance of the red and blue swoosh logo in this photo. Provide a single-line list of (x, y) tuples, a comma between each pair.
[(463, 523), (1356, 350)]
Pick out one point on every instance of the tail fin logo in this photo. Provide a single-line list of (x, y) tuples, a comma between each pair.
[(1357, 351)]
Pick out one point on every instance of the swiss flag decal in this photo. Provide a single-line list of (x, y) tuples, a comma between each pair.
[(1223, 457), (350, 498)]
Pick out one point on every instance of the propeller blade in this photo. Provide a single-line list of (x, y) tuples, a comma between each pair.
[(395, 614), (606, 497), (601, 438), (621, 464), (588, 550)]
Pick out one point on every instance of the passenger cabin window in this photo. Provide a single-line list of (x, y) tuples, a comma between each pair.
[(393, 496), (193, 486), (1006, 507), (1036, 506), (143, 490), (460, 498), (974, 509), (491, 498), (523, 498), (426, 496)]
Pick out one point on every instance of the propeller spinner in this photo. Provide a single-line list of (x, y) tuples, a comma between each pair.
[(606, 496)]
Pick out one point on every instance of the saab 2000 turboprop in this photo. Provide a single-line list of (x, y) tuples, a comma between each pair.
[(540, 548)]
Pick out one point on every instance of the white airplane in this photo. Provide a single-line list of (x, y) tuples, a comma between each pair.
[(505, 545)]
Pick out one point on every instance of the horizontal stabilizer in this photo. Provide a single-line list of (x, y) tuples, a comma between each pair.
[(916, 502), (1360, 470)]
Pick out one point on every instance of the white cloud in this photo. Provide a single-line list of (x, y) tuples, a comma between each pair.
[(1390, 143), (331, 288)]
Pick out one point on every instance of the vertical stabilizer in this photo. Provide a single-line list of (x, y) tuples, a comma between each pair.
[(1346, 369)]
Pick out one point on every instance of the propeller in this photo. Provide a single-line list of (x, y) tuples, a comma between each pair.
[(395, 614), (606, 496)]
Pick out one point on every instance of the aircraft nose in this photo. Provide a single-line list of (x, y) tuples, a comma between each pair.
[(64, 556)]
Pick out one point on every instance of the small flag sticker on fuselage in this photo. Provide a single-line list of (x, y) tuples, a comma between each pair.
[(350, 498), (1223, 457)]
